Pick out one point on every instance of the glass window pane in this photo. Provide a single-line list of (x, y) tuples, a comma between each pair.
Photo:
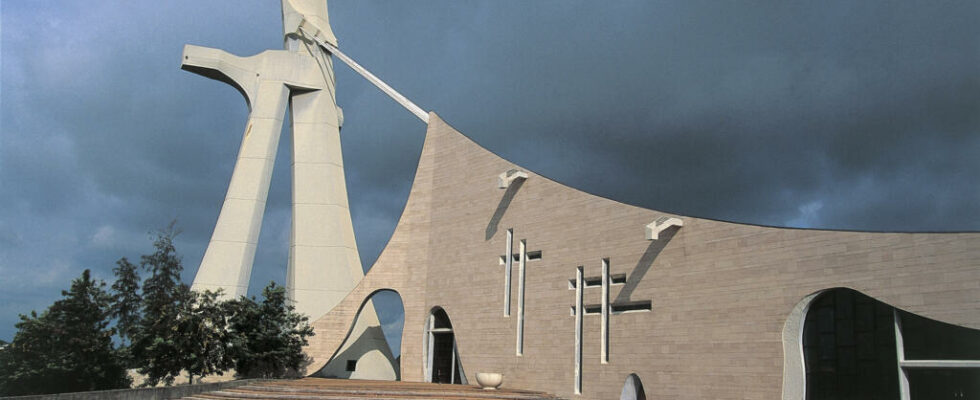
[(941, 384), (849, 348), (927, 339)]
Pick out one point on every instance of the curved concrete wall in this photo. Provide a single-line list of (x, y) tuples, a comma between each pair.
[(721, 292)]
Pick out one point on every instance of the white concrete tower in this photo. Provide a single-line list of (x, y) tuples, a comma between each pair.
[(324, 264)]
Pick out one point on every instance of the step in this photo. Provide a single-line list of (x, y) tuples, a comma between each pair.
[(330, 389), (442, 390)]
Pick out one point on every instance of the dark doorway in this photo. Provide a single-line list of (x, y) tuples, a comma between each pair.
[(442, 359)]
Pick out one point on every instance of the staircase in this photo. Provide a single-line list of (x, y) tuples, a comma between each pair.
[(329, 389)]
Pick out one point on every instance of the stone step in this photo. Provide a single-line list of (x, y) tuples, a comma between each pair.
[(325, 396), (442, 390), (330, 389)]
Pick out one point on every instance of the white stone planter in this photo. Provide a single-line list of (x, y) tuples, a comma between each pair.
[(489, 380)]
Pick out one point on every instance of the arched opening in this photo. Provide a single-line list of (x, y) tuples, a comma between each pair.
[(843, 344), (849, 347), (442, 363), (372, 349), (633, 389)]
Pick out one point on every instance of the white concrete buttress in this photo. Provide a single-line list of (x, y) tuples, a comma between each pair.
[(265, 80)]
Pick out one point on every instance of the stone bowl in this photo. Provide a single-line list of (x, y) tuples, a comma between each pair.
[(489, 380)]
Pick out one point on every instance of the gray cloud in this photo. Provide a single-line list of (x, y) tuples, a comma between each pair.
[(833, 115)]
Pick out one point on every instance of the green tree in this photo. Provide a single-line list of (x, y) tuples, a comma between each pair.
[(126, 301), (268, 338), (204, 336), (67, 348), (156, 346)]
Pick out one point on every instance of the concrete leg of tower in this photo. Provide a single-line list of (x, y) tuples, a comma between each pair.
[(227, 261), (324, 265), (262, 79)]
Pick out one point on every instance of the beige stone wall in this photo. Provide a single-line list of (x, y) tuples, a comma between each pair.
[(720, 291)]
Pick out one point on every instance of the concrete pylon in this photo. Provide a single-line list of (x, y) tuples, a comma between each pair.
[(265, 80), (324, 264)]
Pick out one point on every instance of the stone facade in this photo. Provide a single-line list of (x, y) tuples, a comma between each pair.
[(720, 292)]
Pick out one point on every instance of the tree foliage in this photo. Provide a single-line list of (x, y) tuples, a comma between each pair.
[(204, 338), (126, 300), (268, 337), (157, 343), (168, 327), (67, 348)]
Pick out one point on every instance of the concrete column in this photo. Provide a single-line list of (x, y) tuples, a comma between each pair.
[(227, 262), (324, 264)]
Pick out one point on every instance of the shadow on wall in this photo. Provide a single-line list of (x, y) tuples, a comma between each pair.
[(642, 266), (502, 207), (357, 354)]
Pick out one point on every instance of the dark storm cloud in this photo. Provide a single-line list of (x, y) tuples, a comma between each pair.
[(832, 114), (851, 116)]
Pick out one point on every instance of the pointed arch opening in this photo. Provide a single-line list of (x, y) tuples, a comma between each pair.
[(633, 389), (441, 362)]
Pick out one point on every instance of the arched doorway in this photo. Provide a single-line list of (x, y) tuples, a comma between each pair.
[(442, 358)]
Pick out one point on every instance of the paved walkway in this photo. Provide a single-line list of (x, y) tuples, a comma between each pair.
[(329, 389)]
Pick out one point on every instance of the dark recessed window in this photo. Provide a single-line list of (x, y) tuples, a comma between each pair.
[(849, 348), (351, 365), (627, 306)]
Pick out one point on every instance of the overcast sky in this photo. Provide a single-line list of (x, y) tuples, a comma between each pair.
[(841, 115)]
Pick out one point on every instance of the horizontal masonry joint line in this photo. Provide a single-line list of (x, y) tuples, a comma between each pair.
[(598, 286), (294, 163), (231, 241), (321, 204), (315, 123), (266, 118)]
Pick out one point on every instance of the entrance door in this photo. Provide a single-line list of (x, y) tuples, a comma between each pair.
[(443, 360)]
